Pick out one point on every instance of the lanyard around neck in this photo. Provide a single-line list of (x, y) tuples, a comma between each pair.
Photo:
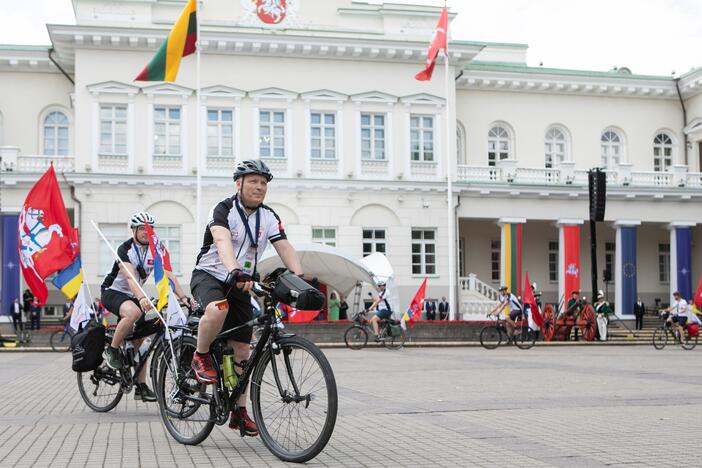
[(245, 220), (141, 260)]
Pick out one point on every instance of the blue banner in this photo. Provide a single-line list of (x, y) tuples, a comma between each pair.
[(10, 263), (683, 242), (628, 246)]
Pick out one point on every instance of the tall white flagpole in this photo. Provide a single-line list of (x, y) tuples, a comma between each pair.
[(449, 195), (198, 137)]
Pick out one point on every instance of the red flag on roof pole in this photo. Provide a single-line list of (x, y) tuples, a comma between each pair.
[(698, 295), (47, 241), (528, 298), (438, 42)]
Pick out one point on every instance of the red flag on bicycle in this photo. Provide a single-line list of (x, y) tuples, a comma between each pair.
[(47, 242), (298, 316), (414, 311), (529, 299), (698, 295)]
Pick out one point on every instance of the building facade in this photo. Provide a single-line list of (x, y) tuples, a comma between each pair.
[(325, 93)]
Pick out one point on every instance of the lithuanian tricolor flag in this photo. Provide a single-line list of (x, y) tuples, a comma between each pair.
[(512, 257), (179, 43)]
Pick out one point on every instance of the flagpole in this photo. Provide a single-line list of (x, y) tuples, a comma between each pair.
[(198, 137), (449, 195)]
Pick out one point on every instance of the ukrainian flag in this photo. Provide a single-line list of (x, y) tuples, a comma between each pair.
[(160, 276), (70, 278)]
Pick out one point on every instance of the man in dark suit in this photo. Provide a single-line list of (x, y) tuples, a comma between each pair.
[(443, 309), (430, 309), (639, 311)]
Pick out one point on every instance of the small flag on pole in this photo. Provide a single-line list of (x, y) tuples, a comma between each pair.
[(414, 311), (70, 279), (438, 42), (160, 276)]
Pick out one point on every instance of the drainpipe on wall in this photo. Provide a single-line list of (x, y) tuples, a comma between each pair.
[(77, 202), (51, 51), (684, 112)]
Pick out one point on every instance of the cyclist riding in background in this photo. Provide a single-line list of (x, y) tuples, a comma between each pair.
[(384, 311), (237, 232), (679, 314), (516, 310), (122, 296)]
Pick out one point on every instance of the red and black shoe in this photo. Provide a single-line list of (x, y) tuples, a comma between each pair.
[(239, 415), (203, 368)]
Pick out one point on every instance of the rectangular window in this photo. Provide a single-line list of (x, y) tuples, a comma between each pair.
[(113, 130), (373, 137), (373, 241), (495, 260), (323, 135), (220, 133), (610, 256), (170, 236), (553, 261), (271, 134), (167, 132), (422, 138), (664, 263), (423, 251), (116, 233), (324, 235)]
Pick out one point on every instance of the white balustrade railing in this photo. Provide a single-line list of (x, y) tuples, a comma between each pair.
[(651, 179), (42, 163), (529, 175), (472, 283), (479, 174), (693, 179), (475, 310)]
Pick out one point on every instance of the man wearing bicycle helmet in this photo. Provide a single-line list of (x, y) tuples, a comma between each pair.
[(515, 310), (237, 232), (384, 312), (122, 296)]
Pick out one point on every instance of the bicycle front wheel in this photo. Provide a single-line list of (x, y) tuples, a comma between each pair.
[(355, 338), (525, 338), (490, 337), (660, 338), (60, 341), (100, 389), (294, 398)]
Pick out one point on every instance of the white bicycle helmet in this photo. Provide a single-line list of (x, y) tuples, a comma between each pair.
[(141, 218)]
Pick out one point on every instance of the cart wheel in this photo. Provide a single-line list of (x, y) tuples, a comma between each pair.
[(587, 323), (549, 323)]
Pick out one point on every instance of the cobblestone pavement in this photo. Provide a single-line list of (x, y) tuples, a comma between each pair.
[(565, 406)]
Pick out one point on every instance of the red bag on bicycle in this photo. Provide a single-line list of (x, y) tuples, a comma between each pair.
[(693, 330)]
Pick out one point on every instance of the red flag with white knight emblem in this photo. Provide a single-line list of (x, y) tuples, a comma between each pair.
[(47, 242), (438, 42)]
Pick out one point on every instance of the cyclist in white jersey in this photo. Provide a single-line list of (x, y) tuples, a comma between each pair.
[(510, 302), (237, 232)]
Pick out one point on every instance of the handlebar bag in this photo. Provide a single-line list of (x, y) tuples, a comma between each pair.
[(292, 290)]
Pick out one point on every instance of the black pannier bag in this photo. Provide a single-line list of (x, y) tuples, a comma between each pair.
[(87, 346), (292, 290)]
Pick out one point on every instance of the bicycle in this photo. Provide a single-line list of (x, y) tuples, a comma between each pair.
[(103, 388), (491, 335), (292, 387), (665, 331), (58, 340), (391, 334)]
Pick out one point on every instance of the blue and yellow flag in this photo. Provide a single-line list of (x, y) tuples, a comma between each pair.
[(70, 278), (160, 276)]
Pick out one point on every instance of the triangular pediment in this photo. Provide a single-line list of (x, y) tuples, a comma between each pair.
[(168, 89), (423, 99), (112, 87), (272, 93), (222, 91), (374, 96), (324, 95)]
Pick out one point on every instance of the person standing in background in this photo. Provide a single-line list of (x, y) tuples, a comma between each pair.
[(443, 309), (430, 309), (334, 305), (639, 311), (343, 309)]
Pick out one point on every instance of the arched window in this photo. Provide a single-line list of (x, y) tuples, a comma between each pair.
[(499, 144), (662, 152), (555, 147), (55, 134), (461, 144), (612, 148)]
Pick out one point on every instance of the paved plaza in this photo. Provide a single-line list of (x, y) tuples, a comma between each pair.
[(549, 406)]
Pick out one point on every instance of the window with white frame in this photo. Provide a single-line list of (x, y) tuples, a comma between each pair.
[(664, 263), (170, 236), (422, 138), (611, 144), (116, 234), (553, 261), (271, 134), (373, 136), (555, 147), (662, 152), (55, 128), (423, 251), (324, 235), (113, 130), (460, 144), (220, 133), (499, 144), (610, 256), (495, 246), (167, 127), (373, 241), (323, 135)]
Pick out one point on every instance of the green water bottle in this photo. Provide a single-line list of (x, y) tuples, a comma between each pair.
[(230, 377)]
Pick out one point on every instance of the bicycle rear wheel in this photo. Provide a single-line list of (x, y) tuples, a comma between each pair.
[(100, 389), (184, 403), (394, 342), (689, 342), (355, 337), (524, 338), (490, 337), (60, 341), (294, 425), (660, 338)]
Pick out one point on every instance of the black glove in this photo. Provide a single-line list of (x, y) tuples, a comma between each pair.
[(236, 276)]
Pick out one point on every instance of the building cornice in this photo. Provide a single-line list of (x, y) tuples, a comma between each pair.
[(31, 59), (578, 192)]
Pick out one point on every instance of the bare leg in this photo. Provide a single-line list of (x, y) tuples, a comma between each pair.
[(374, 324), (129, 313), (211, 324), (510, 326)]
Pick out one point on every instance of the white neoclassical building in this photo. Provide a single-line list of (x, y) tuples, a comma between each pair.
[(327, 97)]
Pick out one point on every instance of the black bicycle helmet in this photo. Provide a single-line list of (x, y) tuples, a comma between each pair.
[(252, 166)]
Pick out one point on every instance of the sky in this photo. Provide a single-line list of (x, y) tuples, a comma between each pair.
[(649, 36)]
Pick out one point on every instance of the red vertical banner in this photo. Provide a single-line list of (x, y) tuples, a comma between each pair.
[(571, 258), (518, 244)]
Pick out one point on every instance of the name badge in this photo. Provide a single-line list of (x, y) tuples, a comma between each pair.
[(249, 261)]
